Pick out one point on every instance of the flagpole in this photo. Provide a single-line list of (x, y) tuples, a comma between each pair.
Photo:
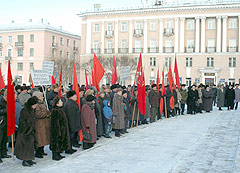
[(133, 114), (12, 147), (107, 76), (165, 107), (133, 87), (137, 118)]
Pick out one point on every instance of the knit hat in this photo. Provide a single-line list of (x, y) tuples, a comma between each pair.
[(37, 94), (32, 101), (124, 91), (70, 93), (90, 98)]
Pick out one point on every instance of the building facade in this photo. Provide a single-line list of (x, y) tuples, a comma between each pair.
[(204, 38), (28, 45)]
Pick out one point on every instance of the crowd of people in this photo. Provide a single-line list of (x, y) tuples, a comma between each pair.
[(45, 119)]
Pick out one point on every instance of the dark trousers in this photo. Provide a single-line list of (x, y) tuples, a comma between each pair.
[(3, 140), (73, 137), (214, 100), (236, 106), (117, 132), (87, 145), (182, 108), (192, 109), (153, 114)]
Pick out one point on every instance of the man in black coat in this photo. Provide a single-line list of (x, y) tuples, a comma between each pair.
[(192, 100), (3, 127), (51, 95), (71, 109)]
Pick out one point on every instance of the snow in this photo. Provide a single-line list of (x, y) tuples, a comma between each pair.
[(206, 142)]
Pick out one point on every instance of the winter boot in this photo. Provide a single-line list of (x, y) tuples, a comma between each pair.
[(0, 158), (26, 163), (42, 151), (38, 153), (56, 156)]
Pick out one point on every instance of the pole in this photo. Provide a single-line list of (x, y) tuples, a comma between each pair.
[(137, 118), (134, 107), (12, 147), (165, 107), (45, 96), (133, 88), (107, 76)]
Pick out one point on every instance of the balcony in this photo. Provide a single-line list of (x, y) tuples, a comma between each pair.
[(7, 58), (153, 49), (19, 44), (137, 50), (138, 33), (54, 45), (168, 49), (232, 49), (189, 49), (168, 32), (109, 51), (95, 50), (109, 34), (122, 50), (211, 49)]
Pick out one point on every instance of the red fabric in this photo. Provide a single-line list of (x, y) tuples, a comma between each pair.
[(32, 86), (114, 72), (152, 82), (54, 81), (86, 79), (98, 72), (93, 79), (80, 135), (158, 80), (2, 84), (163, 85), (177, 74), (170, 78), (171, 103), (10, 104), (60, 84), (75, 86), (161, 106)]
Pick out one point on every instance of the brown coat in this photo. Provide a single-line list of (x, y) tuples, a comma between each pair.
[(88, 119), (42, 125), (118, 112), (154, 97)]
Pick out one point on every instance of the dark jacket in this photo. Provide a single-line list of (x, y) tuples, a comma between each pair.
[(60, 140), (153, 97), (98, 114), (127, 110), (71, 109), (230, 96), (50, 97), (192, 97), (3, 113)]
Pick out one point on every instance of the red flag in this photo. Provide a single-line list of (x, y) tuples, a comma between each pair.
[(10, 104), (170, 78), (163, 92), (54, 80), (32, 86), (2, 84), (176, 74), (98, 72), (114, 72), (152, 82), (158, 80), (171, 103), (93, 79), (86, 79), (60, 84)]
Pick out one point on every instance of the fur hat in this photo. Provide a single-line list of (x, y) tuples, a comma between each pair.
[(17, 87), (154, 85), (55, 101), (90, 98), (114, 86), (70, 93), (124, 91), (37, 94), (32, 101), (23, 88)]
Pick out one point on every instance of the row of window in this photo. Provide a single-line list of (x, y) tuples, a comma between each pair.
[(62, 41), (19, 52), (20, 66), (20, 38), (189, 61), (190, 24), (61, 54)]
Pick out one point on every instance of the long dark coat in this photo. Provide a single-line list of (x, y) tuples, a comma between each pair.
[(98, 114), (71, 109), (25, 144), (88, 119), (220, 97), (207, 100), (60, 140), (42, 125), (230, 96), (118, 112), (154, 97), (192, 97)]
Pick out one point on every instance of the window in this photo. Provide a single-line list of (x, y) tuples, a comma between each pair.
[(124, 27), (0, 53), (20, 38), (138, 46), (189, 62), (190, 24), (124, 46), (168, 46), (95, 44), (20, 52), (153, 25), (232, 62), (9, 39), (61, 54), (109, 46), (53, 39), (153, 45), (152, 61), (189, 81), (190, 43), (0, 39), (232, 45), (67, 55), (20, 66), (211, 24), (9, 52), (68, 43), (31, 52), (138, 25), (232, 23), (211, 45), (96, 27), (32, 38), (169, 24), (167, 60), (74, 44), (61, 41), (53, 53), (210, 62), (109, 26), (31, 66)]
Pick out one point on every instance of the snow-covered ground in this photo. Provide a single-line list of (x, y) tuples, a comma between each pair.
[(203, 143)]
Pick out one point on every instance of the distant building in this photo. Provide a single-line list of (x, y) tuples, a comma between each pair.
[(28, 45), (205, 37)]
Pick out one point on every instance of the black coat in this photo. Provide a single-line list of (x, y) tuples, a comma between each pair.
[(192, 97), (127, 111), (98, 114), (50, 97), (3, 113), (71, 109), (60, 140), (230, 96), (25, 144)]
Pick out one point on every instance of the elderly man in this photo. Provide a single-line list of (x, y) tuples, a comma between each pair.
[(153, 97)]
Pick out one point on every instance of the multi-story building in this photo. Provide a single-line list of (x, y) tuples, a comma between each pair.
[(28, 45), (205, 38)]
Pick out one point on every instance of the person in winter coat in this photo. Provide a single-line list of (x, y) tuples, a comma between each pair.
[(154, 97), (118, 113), (230, 96), (214, 94), (208, 99), (184, 94), (127, 110), (107, 113), (200, 99), (23, 96), (60, 139), (237, 95), (25, 144), (177, 102), (220, 97), (51, 95), (192, 99), (71, 109), (42, 125), (99, 116), (88, 120)]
